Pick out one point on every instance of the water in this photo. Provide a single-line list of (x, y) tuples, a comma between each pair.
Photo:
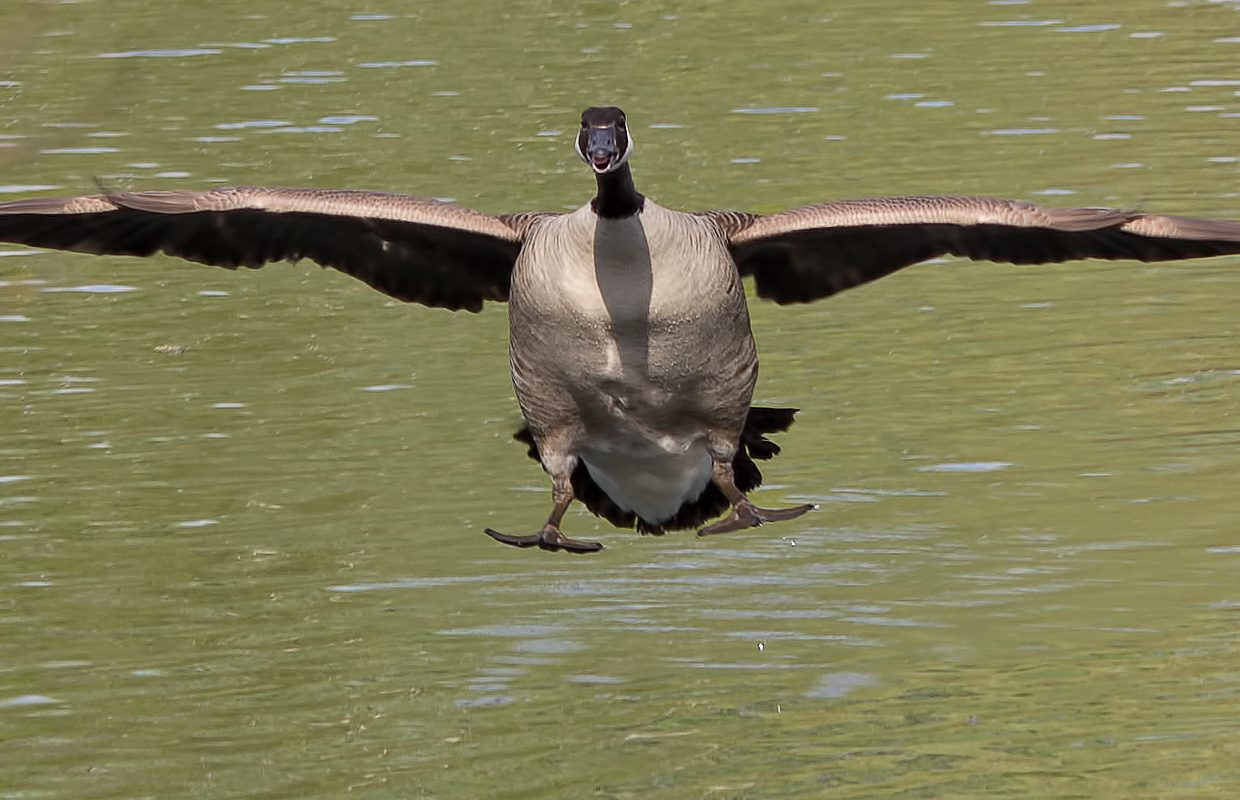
[(241, 549)]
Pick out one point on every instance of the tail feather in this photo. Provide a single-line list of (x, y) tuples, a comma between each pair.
[(711, 503)]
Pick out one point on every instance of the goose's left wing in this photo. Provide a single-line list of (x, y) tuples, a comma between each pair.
[(813, 252)]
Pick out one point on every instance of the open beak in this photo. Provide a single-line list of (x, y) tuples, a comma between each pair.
[(600, 148)]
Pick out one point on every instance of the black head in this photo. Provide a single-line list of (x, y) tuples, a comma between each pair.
[(603, 141)]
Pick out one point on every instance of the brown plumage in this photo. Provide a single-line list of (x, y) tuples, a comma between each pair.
[(631, 351)]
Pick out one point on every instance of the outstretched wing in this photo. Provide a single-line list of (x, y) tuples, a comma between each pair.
[(412, 248), (813, 252)]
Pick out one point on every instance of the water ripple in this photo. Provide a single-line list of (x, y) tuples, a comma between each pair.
[(162, 53)]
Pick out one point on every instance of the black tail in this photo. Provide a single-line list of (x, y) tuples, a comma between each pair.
[(711, 503)]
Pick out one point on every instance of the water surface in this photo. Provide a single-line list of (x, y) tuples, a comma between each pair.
[(240, 514)]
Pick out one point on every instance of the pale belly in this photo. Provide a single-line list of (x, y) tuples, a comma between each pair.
[(642, 431), (651, 479)]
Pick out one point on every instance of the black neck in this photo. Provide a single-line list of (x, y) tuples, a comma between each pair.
[(617, 196)]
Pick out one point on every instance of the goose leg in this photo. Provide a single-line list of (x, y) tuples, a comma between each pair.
[(744, 513), (549, 537)]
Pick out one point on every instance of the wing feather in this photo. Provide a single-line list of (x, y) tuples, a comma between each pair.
[(411, 248), (815, 251)]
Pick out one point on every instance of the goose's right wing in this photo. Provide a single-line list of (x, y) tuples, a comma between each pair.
[(411, 248)]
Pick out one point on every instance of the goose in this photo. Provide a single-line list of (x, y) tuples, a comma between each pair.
[(631, 352)]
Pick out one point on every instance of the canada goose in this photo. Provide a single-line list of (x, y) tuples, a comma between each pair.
[(631, 351)]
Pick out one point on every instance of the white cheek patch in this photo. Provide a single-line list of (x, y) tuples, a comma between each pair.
[(628, 149)]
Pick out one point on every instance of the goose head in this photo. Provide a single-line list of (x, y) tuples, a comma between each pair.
[(603, 141)]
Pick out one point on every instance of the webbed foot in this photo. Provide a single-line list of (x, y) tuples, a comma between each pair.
[(746, 515), (549, 538)]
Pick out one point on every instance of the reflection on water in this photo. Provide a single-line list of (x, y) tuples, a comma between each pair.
[(241, 514)]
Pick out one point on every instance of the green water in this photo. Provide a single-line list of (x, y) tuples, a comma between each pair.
[(241, 549)]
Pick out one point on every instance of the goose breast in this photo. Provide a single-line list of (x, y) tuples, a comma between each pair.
[(630, 332)]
